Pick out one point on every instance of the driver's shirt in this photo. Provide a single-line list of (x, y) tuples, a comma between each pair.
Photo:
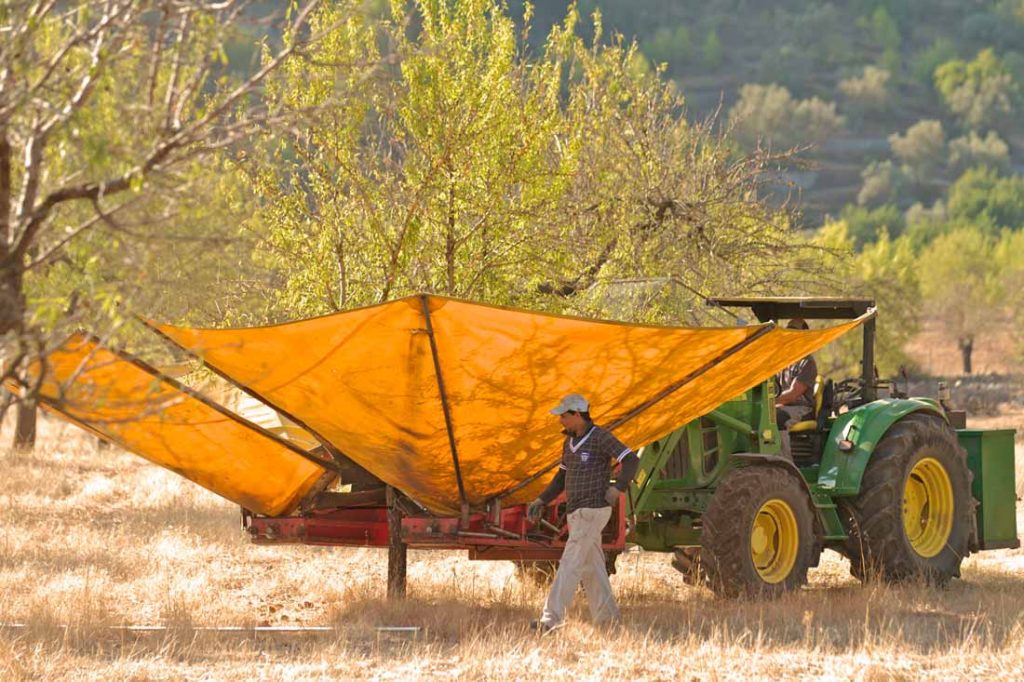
[(806, 372)]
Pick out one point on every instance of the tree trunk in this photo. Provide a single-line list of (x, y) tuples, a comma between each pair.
[(396, 548), (12, 319), (966, 344), (25, 429)]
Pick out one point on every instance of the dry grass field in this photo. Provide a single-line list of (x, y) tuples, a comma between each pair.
[(91, 540)]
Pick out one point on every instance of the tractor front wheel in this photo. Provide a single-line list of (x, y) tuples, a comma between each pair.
[(758, 538), (913, 516)]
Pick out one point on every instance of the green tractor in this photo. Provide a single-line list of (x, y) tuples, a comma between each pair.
[(896, 484)]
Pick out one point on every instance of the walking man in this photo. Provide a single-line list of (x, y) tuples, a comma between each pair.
[(585, 475)]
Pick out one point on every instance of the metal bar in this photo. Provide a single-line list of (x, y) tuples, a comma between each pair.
[(507, 533), (661, 395), (327, 464), (705, 368), (444, 401), (56, 406), (731, 422), (551, 527), (868, 392)]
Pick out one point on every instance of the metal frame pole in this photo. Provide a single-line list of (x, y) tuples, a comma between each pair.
[(444, 406)]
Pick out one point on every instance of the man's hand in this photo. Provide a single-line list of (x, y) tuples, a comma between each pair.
[(611, 496), (535, 510)]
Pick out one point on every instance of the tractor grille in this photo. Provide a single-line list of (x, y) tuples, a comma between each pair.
[(709, 436), (678, 462)]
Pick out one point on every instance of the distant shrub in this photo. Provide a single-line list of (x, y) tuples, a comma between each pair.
[(672, 46), (712, 50), (922, 150), (981, 196), (769, 112), (924, 63), (884, 31), (989, 28), (982, 92), (974, 150), (925, 224), (866, 224), (868, 92), (883, 183)]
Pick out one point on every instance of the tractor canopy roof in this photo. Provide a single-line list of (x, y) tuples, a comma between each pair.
[(785, 308)]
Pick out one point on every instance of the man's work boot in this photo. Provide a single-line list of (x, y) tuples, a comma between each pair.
[(542, 627)]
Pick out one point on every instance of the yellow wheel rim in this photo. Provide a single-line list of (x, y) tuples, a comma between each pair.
[(774, 541), (928, 507)]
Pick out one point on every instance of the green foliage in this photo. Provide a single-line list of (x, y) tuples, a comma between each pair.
[(712, 50), (925, 224), (769, 112), (922, 150), (960, 283), (865, 225), (982, 92), (982, 197), (1008, 258), (886, 271), (924, 63), (567, 182), (673, 46), (125, 194), (884, 31)]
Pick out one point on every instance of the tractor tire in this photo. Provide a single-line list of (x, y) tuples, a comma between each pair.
[(538, 573), (914, 515), (758, 538)]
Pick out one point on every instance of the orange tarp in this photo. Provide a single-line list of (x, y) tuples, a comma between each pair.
[(127, 402), (368, 381)]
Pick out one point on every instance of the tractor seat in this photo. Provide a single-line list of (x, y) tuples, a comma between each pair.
[(821, 386)]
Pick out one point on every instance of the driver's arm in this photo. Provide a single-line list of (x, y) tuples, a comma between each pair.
[(790, 395)]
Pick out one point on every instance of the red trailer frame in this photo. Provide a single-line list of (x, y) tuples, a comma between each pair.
[(497, 533)]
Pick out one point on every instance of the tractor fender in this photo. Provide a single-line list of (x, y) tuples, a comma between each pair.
[(840, 472)]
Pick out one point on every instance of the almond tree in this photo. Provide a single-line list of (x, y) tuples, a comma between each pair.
[(106, 106), (563, 177)]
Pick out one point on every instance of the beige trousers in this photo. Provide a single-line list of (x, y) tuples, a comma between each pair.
[(582, 561)]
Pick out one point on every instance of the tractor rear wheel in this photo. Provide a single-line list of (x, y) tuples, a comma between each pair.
[(758, 538), (913, 516)]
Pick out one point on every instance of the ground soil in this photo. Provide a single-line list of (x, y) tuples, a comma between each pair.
[(91, 540)]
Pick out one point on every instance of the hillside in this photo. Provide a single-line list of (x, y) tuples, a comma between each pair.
[(877, 63)]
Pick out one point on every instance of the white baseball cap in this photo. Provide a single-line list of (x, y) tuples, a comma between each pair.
[(573, 402)]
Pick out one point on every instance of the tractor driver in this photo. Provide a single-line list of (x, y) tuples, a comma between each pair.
[(584, 475), (795, 399)]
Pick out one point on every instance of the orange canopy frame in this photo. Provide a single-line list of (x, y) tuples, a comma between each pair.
[(125, 401), (448, 401)]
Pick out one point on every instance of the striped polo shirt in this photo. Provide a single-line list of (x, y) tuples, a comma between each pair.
[(587, 462)]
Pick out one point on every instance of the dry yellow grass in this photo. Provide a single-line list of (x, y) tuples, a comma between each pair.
[(93, 539)]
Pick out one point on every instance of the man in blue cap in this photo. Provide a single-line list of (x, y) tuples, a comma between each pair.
[(585, 474)]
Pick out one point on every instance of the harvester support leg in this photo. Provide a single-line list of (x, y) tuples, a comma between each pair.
[(396, 548)]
